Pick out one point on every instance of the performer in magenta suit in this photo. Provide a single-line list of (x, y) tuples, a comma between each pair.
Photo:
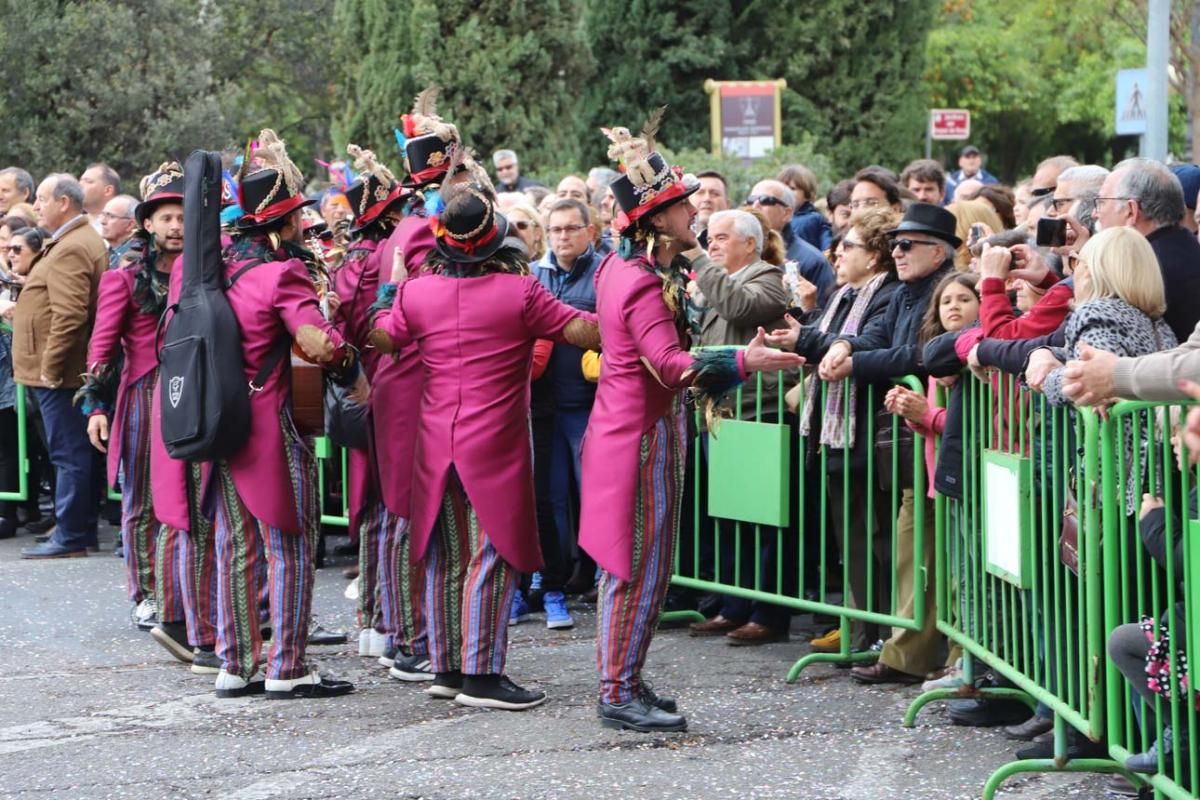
[(635, 444), (474, 318)]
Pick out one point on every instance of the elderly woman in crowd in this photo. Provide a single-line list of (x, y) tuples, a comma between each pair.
[(866, 275)]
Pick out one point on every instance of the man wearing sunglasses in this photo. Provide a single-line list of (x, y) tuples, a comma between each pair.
[(777, 202), (923, 248)]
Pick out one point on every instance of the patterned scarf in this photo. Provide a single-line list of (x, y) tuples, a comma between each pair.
[(834, 430)]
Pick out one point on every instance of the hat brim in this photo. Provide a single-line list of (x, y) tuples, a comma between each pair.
[(246, 224), (916, 227), (360, 226), (145, 208), (653, 208), (482, 254)]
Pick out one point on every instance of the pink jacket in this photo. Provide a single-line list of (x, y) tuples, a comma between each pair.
[(121, 326), (931, 426), (475, 340), (396, 389), (272, 299), (634, 324)]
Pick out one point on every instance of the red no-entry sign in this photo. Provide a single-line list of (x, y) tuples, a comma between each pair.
[(949, 123)]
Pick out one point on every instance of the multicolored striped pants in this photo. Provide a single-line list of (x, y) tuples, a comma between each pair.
[(469, 591), (372, 535), (289, 560), (401, 589), (186, 578), (139, 526), (629, 610)]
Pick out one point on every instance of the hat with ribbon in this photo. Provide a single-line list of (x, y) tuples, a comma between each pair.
[(164, 185), (269, 185), (374, 191), (469, 229), (428, 141), (647, 183)]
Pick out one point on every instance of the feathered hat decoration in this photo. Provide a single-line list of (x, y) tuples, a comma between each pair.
[(632, 153), (365, 162), (423, 120)]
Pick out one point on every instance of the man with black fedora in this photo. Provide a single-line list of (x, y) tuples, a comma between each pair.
[(636, 440), (923, 248), (390, 615), (473, 318), (264, 495), (117, 394)]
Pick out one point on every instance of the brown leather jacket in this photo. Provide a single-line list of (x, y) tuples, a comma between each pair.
[(53, 316)]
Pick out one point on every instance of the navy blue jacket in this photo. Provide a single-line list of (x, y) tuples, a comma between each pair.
[(1178, 255), (811, 226), (577, 289), (813, 264)]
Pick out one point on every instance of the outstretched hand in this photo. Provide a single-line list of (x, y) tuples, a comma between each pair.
[(761, 358), (785, 338)]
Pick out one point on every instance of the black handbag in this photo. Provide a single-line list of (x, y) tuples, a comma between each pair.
[(347, 423)]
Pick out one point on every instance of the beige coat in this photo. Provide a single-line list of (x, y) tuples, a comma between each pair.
[(737, 305), (53, 316)]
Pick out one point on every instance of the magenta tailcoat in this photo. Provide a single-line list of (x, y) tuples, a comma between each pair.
[(121, 326), (634, 324), (272, 299), (475, 338), (396, 390)]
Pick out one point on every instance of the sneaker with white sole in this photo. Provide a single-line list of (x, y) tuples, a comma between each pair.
[(205, 661), (145, 614), (228, 685), (173, 636), (388, 659), (412, 668), (446, 685), (497, 691), (557, 616), (519, 611), (312, 685)]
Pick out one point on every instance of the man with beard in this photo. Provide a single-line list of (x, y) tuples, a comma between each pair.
[(131, 301)]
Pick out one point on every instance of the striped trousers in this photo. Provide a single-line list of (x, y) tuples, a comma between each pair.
[(372, 535), (469, 590), (186, 578), (241, 543), (139, 526), (629, 610), (401, 589)]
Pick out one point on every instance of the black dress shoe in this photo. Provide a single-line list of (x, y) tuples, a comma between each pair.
[(497, 691), (983, 713), (1078, 746), (650, 698), (54, 550), (312, 685), (40, 525), (637, 715), (1027, 730), (318, 635)]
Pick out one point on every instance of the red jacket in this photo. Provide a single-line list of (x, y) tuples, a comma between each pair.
[(999, 321)]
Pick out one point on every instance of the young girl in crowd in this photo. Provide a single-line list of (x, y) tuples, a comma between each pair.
[(955, 306)]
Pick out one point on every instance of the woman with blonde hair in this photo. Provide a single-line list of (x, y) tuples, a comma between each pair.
[(968, 213), (528, 225)]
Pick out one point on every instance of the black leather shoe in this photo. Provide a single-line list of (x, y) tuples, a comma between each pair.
[(312, 685), (41, 525), (54, 550), (1027, 730), (984, 713), (637, 715), (649, 697), (1078, 746), (497, 691), (319, 635)]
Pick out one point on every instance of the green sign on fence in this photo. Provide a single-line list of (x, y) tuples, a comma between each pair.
[(1007, 534), (750, 471)]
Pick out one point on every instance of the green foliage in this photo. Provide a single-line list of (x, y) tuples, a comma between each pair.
[(510, 71), (1038, 77), (91, 80)]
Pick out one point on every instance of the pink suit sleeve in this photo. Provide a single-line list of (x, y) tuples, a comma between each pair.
[(545, 316), (652, 326), (296, 301), (112, 317)]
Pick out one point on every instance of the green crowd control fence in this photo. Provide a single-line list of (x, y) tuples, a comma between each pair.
[(769, 515), (22, 490), (1013, 591), (333, 470), (1151, 591)]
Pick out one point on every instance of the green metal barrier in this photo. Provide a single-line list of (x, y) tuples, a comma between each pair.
[(332, 459), (1004, 594), (1136, 449), (22, 492), (774, 547)]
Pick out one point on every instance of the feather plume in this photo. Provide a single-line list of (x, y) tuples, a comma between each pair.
[(650, 129), (365, 162), (425, 103), (273, 153), (458, 157)]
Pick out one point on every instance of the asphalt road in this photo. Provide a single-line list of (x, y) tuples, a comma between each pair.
[(92, 708)]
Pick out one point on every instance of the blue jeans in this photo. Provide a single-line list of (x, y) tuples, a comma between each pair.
[(75, 502), (565, 475)]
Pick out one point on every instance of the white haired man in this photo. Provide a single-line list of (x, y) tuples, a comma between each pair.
[(508, 173)]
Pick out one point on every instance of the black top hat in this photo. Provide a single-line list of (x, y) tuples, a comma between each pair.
[(427, 159), (637, 199), (266, 197), (369, 197), (930, 219), (162, 186), (470, 229)]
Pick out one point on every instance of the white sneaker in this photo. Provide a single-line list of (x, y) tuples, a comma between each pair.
[(378, 644), (351, 592), (234, 686), (145, 614), (364, 642)]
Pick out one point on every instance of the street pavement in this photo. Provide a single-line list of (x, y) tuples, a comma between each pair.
[(92, 708)]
